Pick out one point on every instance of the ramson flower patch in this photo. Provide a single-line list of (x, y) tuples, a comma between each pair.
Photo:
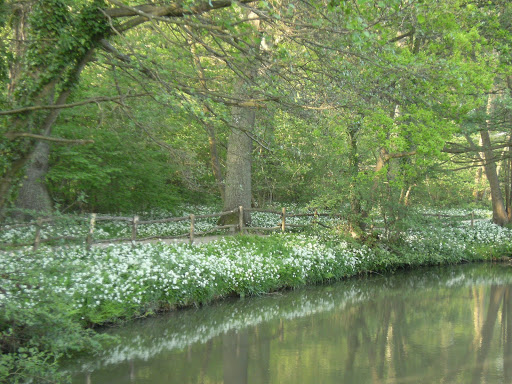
[(50, 295), (105, 280), (463, 237), (78, 227)]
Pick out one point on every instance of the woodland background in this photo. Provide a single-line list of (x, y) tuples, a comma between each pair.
[(364, 107)]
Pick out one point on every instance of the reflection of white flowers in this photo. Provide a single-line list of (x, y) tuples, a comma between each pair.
[(199, 327), (138, 347)]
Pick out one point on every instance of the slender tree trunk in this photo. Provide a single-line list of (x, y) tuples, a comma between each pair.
[(215, 161), (477, 192), (356, 222), (408, 195), (499, 212), (506, 170), (509, 193), (210, 130)]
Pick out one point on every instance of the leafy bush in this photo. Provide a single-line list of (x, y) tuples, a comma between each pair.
[(34, 338)]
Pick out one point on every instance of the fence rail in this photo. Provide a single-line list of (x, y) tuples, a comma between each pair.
[(191, 234)]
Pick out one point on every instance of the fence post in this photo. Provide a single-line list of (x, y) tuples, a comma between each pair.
[(37, 239), (241, 219), (88, 240), (134, 228), (283, 220), (192, 220), (472, 218)]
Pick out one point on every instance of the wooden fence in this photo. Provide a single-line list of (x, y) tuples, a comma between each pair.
[(135, 222)]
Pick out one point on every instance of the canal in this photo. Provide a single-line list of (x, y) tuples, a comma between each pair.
[(433, 325)]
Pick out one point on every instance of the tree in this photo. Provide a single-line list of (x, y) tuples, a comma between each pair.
[(63, 36)]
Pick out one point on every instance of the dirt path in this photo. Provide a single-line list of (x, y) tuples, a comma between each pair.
[(197, 240), (185, 240)]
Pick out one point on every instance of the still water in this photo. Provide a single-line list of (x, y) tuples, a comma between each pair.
[(436, 325)]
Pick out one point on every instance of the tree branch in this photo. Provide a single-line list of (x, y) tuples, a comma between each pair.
[(397, 155), (398, 38), (147, 12), (459, 149), (173, 10), (70, 105), (15, 135)]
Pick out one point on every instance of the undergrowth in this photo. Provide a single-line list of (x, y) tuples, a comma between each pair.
[(51, 300)]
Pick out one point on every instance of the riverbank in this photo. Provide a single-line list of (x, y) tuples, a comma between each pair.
[(288, 335), (52, 298)]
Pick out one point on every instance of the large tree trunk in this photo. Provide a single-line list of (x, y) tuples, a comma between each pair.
[(33, 194), (238, 183), (238, 186), (38, 154)]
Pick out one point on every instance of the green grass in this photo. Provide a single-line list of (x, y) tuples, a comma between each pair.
[(51, 299)]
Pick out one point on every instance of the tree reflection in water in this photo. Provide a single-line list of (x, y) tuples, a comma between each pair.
[(451, 325), (499, 298)]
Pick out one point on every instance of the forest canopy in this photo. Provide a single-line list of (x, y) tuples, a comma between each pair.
[(361, 106)]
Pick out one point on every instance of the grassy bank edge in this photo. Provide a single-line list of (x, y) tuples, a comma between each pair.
[(43, 334)]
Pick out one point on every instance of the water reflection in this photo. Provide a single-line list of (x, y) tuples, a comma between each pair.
[(442, 325)]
